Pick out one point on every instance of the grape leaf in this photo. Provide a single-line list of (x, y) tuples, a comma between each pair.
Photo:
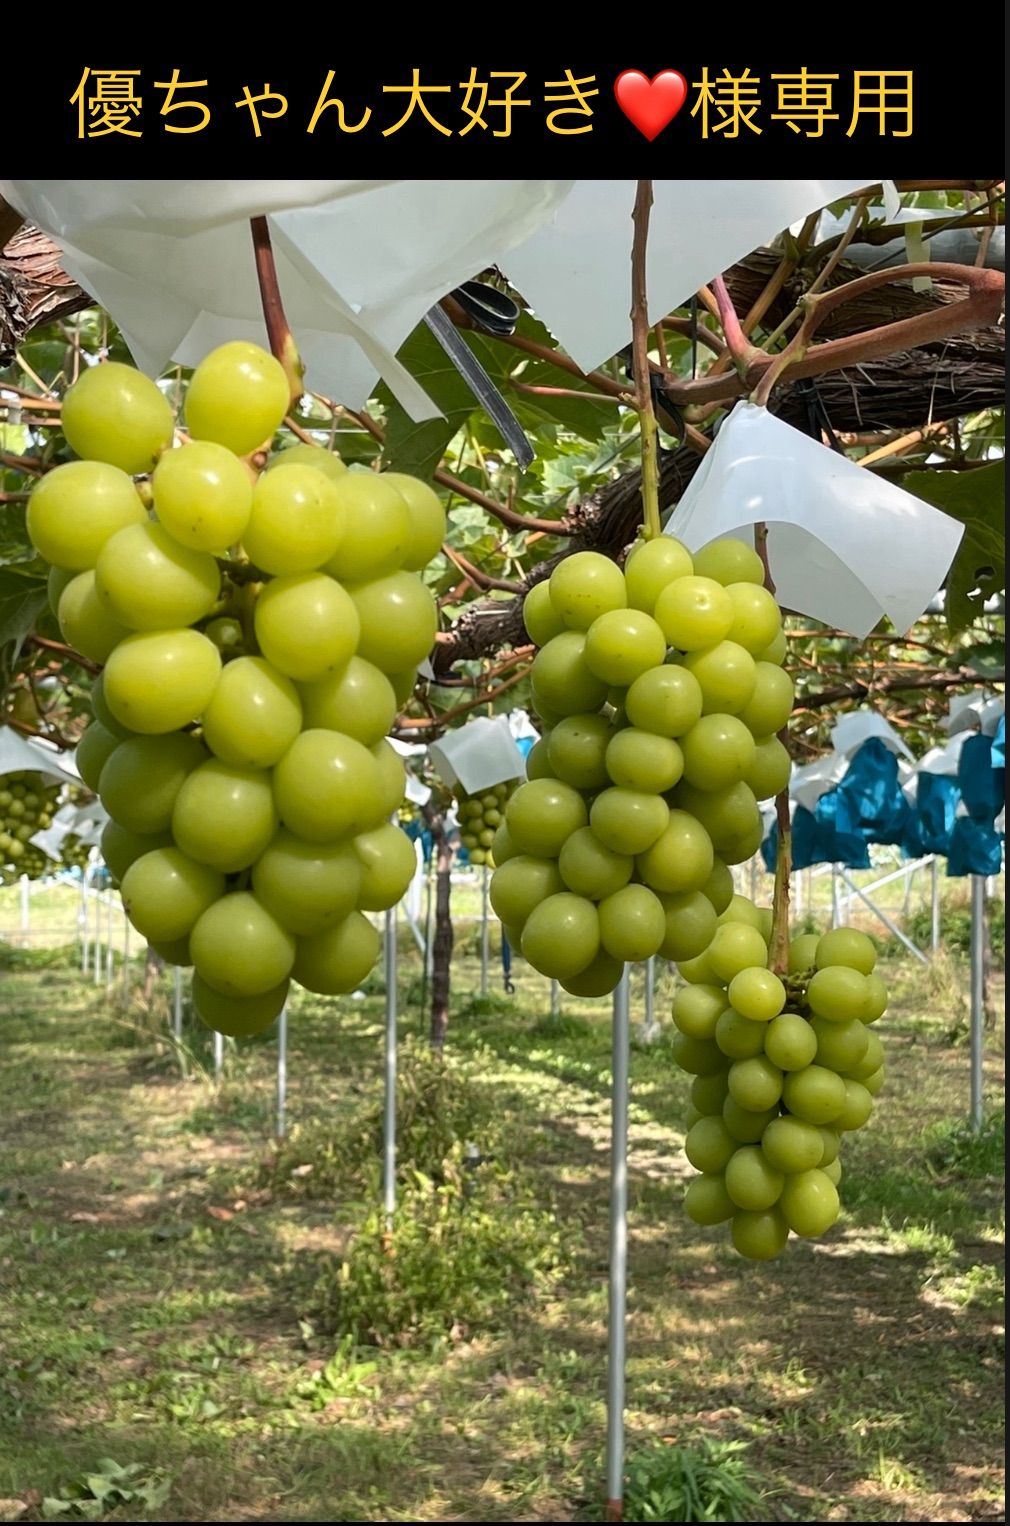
[(22, 600), (976, 499)]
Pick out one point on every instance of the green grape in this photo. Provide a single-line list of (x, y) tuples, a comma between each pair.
[(755, 1084), (726, 674), (202, 496), (727, 814), (224, 815), (142, 778), (598, 978), (158, 681), (254, 714), (336, 961), (746, 1127), (328, 786), (306, 625), (319, 457), (560, 679), (874, 1082), (756, 617), (238, 1017), (388, 864), (729, 561), (358, 700), (100, 710), (399, 621), (709, 1145), (538, 760), (151, 583), (239, 949), (577, 751), (846, 946), (58, 578), (856, 1108), (831, 1141), (680, 858), (632, 924), (718, 751), (665, 700), (542, 815), (809, 1202), (307, 887), (585, 586), (86, 624), (706, 1201), (237, 397), (690, 924), (802, 951), (640, 760), (840, 1046), (775, 651), (392, 779), (502, 846), (697, 971), (771, 703), (699, 1057), (789, 1145), (741, 909), (760, 1236), (116, 414), (815, 1094), (709, 1093), (296, 524), (427, 519), (875, 999), (757, 994), (718, 888), (227, 635), (622, 644), (631, 821), (738, 1037), (165, 893), (837, 993), (589, 868), (790, 1042), (562, 935), (378, 528), (734, 948), (696, 1012), (769, 774), (93, 752), (121, 848), (751, 1180), (403, 684), (694, 612), (651, 565), (871, 1061), (540, 618)]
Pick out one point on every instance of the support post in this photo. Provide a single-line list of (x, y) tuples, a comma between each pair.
[(977, 996), (282, 1073), (934, 906), (484, 944), (618, 1285), (177, 1004), (389, 1095)]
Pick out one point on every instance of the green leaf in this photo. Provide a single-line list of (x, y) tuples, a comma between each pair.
[(418, 447), (22, 599), (976, 499)]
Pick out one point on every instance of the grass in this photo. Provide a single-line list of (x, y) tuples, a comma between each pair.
[(165, 1352)]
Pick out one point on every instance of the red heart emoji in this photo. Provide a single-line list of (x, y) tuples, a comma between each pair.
[(650, 104)]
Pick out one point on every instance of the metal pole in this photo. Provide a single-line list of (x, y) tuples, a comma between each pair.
[(177, 1004), (555, 1001), (483, 931), (109, 960), (126, 953), (389, 1097), (218, 1054), (98, 937), (26, 913), (835, 919), (934, 906), (83, 922), (977, 995), (891, 926), (618, 1288), (282, 1072), (650, 993)]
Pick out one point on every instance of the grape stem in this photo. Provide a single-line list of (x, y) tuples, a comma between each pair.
[(279, 334), (651, 526)]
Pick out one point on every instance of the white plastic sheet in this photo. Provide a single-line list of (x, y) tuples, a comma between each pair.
[(858, 726), (18, 752), (808, 783), (844, 545), (361, 261), (479, 755)]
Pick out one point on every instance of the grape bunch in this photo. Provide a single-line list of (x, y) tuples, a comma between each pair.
[(782, 1069), (660, 691), (480, 816), (258, 631), (27, 803)]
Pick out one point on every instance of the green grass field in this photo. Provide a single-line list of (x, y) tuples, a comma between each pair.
[(177, 1341)]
